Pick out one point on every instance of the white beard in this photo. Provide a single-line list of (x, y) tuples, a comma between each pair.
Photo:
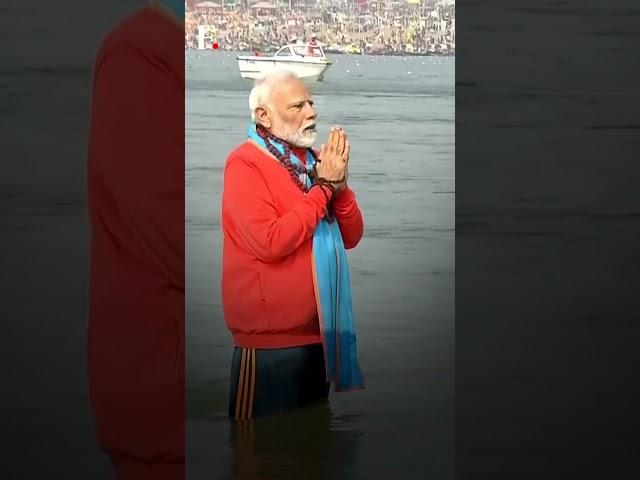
[(304, 139), (299, 138)]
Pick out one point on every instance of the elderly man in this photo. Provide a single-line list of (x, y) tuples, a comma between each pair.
[(287, 217)]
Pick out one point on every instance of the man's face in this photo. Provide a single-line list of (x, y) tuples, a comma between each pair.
[(291, 115)]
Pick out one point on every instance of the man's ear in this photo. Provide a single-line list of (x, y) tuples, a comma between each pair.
[(263, 117)]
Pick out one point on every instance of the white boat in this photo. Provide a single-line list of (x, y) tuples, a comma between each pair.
[(307, 61)]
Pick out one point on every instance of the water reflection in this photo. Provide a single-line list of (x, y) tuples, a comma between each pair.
[(309, 443)]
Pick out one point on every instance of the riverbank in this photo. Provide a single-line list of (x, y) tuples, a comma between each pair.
[(405, 28), (345, 51)]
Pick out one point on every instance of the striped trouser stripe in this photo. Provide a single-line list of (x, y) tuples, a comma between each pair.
[(246, 384)]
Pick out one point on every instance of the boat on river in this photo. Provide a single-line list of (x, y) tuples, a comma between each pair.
[(307, 61)]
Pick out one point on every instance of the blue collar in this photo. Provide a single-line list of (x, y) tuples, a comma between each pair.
[(253, 135), (310, 161)]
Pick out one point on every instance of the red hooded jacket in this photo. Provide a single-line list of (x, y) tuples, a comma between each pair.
[(267, 224)]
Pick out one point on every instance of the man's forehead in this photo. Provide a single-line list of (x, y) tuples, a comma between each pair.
[(292, 90)]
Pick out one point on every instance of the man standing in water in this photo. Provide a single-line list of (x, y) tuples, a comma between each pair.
[(287, 217)]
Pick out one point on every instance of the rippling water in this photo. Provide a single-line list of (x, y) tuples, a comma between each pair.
[(399, 115)]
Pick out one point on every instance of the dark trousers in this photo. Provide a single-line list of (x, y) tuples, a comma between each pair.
[(268, 381)]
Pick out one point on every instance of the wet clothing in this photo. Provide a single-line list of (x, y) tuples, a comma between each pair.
[(264, 382)]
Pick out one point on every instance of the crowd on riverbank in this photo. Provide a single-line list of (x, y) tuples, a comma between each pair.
[(404, 28)]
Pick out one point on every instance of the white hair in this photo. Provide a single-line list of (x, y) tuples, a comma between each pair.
[(260, 95)]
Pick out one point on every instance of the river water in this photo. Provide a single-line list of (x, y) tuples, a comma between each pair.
[(399, 114)]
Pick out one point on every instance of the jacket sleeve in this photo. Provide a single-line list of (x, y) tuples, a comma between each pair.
[(138, 147), (250, 216), (349, 217)]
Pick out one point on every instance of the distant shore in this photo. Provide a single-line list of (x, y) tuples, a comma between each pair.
[(393, 53), (376, 53)]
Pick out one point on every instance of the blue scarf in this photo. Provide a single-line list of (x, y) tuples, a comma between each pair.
[(332, 287), (176, 6)]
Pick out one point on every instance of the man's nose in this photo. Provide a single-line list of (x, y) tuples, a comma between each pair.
[(311, 111)]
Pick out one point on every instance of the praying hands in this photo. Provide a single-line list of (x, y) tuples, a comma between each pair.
[(333, 159)]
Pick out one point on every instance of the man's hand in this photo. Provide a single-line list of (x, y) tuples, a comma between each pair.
[(347, 148), (333, 159)]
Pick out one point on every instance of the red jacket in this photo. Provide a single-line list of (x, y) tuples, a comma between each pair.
[(136, 205), (267, 223)]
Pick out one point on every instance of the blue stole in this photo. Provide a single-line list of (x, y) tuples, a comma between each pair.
[(332, 286)]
